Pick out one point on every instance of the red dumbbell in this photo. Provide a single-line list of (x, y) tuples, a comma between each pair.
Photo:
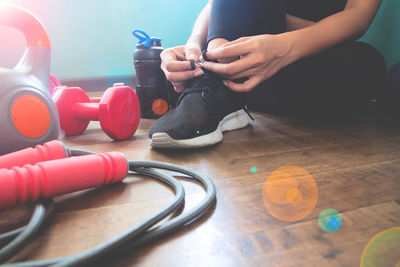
[(53, 83), (92, 99), (118, 111)]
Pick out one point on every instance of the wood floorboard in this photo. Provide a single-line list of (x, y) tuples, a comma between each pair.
[(355, 164)]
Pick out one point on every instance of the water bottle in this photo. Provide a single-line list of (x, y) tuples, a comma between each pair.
[(151, 84)]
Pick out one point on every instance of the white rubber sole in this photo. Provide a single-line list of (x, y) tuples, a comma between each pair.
[(230, 122)]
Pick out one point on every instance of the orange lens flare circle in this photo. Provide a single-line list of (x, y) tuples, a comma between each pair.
[(159, 106), (290, 193), (383, 249), (30, 116)]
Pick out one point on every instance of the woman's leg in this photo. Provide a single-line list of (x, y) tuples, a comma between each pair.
[(232, 19), (337, 81)]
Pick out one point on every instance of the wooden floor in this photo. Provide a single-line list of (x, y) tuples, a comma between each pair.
[(356, 166)]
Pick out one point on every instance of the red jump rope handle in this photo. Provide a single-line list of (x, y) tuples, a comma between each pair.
[(48, 151), (51, 178)]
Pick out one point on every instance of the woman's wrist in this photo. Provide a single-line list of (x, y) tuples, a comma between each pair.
[(292, 53), (195, 41)]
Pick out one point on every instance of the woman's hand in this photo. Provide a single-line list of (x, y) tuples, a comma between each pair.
[(176, 65), (259, 58)]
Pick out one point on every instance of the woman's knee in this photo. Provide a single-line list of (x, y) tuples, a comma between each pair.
[(370, 67), (232, 19), (370, 58)]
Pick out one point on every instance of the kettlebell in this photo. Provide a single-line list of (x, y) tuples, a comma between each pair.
[(28, 115)]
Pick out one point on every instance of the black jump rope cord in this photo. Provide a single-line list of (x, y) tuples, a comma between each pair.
[(44, 210), (48, 204), (140, 234)]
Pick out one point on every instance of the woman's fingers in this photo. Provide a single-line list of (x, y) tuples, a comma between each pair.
[(240, 40), (172, 66), (179, 86), (247, 86), (176, 68), (246, 73), (229, 69), (171, 54), (183, 75), (193, 52), (234, 50)]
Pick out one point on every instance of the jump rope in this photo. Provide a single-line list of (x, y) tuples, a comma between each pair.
[(131, 239)]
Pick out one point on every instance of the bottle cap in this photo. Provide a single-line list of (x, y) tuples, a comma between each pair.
[(145, 40)]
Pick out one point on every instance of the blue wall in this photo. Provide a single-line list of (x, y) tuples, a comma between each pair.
[(92, 38), (384, 32)]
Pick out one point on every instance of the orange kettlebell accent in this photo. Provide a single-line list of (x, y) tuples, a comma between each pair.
[(30, 116)]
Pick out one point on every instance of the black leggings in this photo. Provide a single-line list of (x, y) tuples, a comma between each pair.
[(339, 80)]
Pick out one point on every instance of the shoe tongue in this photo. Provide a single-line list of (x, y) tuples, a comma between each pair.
[(200, 83), (214, 91), (217, 92)]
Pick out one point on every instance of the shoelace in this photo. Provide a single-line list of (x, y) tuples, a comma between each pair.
[(248, 113), (197, 85), (205, 83), (202, 84)]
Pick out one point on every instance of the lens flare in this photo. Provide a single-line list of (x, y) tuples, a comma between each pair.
[(254, 169), (330, 220), (383, 249), (290, 193)]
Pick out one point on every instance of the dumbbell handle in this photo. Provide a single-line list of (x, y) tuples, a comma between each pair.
[(87, 111), (90, 110), (50, 178), (48, 151)]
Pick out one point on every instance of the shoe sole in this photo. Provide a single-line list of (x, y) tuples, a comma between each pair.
[(230, 122)]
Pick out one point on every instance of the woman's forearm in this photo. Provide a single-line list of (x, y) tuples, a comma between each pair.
[(349, 24), (295, 23), (200, 29)]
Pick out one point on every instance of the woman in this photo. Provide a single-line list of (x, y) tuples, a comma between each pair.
[(285, 57)]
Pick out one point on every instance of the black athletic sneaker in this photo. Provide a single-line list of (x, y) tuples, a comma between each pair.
[(204, 111)]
